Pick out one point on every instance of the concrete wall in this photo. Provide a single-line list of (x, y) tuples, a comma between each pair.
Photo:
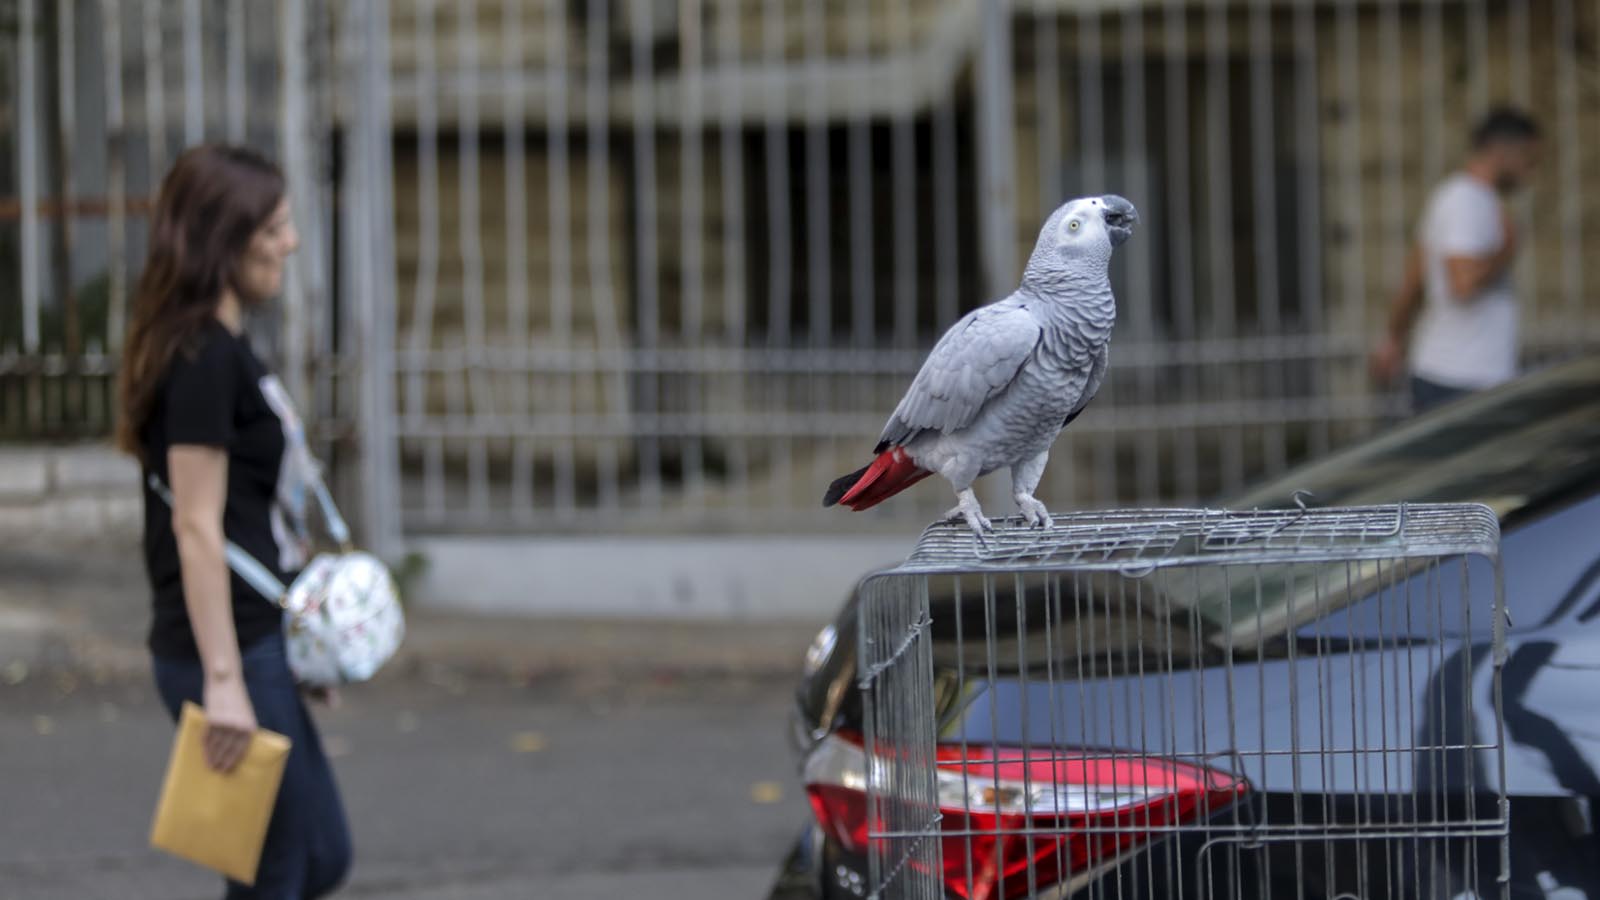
[(79, 493)]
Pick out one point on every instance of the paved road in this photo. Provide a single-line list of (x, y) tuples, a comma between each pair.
[(473, 791)]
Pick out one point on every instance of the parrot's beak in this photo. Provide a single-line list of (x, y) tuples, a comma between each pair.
[(1120, 218)]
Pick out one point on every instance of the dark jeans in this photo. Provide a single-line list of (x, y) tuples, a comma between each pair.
[(1426, 395), (307, 851)]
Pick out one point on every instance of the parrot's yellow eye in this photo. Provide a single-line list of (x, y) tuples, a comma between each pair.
[(1073, 224)]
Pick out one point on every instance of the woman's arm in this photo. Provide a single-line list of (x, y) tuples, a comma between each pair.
[(199, 476)]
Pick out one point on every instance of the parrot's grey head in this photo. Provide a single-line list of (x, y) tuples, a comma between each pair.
[(1083, 232)]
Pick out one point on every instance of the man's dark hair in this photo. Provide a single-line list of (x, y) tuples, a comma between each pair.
[(1504, 124)]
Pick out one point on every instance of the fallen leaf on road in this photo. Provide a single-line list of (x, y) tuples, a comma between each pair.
[(766, 792), (44, 725), (527, 742), (16, 672)]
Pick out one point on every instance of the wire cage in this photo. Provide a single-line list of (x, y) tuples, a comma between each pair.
[(1188, 703)]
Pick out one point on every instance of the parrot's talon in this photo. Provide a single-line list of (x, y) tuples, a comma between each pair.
[(1034, 512), (968, 510)]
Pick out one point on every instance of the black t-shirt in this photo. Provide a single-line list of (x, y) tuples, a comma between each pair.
[(215, 397)]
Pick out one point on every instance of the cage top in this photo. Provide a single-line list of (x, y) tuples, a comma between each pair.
[(1131, 540)]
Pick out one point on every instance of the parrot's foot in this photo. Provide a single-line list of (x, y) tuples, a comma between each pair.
[(1033, 512), (969, 511)]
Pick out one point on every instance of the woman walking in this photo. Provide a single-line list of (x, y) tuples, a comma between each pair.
[(207, 420)]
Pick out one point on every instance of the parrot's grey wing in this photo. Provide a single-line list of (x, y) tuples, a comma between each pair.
[(975, 360), (1091, 386)]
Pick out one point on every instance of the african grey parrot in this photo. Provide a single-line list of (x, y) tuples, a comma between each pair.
[(1007, 377)]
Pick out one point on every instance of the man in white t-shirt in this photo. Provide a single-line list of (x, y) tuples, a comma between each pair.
[(1458, 274)]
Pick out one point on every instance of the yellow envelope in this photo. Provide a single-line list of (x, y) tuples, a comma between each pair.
[(218, 820)]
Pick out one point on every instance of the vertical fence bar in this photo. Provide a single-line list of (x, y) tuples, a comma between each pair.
[(1392, 147), (369, 270), (1180, 231), (862, 296), (515, 343), (1093, 137), (62, 171), (996, 114), (1309, 236), (559, 222), (1265, 229), (116, 177), (1432, 66), (1569, 173), (420, 367), (1047, 99), (731, 170), (1353, 215), (819, 224), (780, 246), (10, 352), (294, 148), (155, 90), (238, 54), (1477, 13), (946, 212), (818, 181), (1519, 37), (1519, 41), (734, 248), (469, 231), (903, 177), (194, 91), (1224, 314), (608, 322), (780, 265), (647, 295), (27, 137), (692, 329), (1140, 289), (1091, 103)]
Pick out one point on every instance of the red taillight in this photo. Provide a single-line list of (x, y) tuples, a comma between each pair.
[(1055, 813)]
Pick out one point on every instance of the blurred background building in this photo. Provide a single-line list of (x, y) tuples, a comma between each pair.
[(589, 276)]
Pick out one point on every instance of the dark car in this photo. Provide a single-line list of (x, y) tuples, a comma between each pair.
[(1530, 452)]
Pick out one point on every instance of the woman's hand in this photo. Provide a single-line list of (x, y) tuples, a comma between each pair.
[(230, 721)]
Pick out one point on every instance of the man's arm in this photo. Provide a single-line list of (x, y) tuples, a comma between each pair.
[(1408, 298), (1467, 275), (1389, 358)]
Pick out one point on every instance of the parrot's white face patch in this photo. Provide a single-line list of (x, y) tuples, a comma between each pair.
[(1082, 226)]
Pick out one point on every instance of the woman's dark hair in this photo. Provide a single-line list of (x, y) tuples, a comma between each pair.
[(209, 206), (1504, 124)]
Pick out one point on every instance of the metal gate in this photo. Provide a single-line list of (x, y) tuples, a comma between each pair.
[(1189, 703), (636, 265)]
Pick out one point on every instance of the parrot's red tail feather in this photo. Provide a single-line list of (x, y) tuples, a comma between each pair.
[(889, 474)]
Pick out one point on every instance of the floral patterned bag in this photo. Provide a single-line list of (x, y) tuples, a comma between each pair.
[(342, 617)]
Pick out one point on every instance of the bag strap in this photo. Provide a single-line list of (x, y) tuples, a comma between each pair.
[(240, 561), (338, 530)]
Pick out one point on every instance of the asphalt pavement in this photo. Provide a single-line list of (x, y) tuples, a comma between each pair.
[(475, 790)]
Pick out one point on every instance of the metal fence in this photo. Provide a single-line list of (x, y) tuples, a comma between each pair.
[(666, 266), (1182, 703)]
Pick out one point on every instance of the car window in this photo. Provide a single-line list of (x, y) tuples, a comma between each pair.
[(1515, 448)]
